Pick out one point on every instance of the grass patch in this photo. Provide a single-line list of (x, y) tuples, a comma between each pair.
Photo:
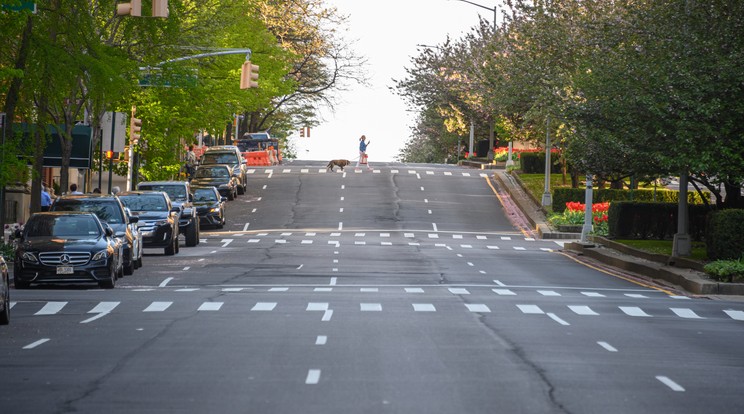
[(665, 247), (535, 184)]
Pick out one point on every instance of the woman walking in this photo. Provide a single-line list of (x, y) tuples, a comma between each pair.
[(363, 152)]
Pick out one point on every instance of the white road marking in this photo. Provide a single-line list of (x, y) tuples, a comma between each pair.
[(343, 187), (361, 243), (478, 308), (165, 282), (384, 234), (341, 210), (434, 225), (429, 211), (433, 236), (317, 306), (548, 293), (607, 346), (321, 340), (422, 188), (466, 174), (245, 227), (408, 235), (333, 281), (279, 289), (498, 283), (335, 243), (186, 268), (426, 200), (187, 290), (342, 198), (735, 314), (582, 310), (304, 171), (411, 172), (424, 307), (280, 241), (327, 316), (313, 377), (459, 291), (306, 242), (418, 176), (359, 234), (51, 308), (233, 289), (369, 290), (593, 294), (101, 310), (414, 244), (394, 171), (471, 264), (669, 383), (481, 237), (680, 297), (414, 290), (686, 313), (252, 211), (210, 306), (158, 307), (634, 311), (493, 247), (300, 267), (457, 236), (466, 246), (264, 306), (430, 173), (370, 307), (519, 248), (310, 234), (636, 296), (323, 289), (386, 243), (37, 343), (530, 309), (340, 225), (503, 292), (505, 238), (213, 252), (557, 319), (264, 187), (254, 240)]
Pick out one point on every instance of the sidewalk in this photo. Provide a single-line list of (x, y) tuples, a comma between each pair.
[(682, 274)]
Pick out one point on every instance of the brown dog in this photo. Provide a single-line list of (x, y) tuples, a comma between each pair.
[(338, 163)]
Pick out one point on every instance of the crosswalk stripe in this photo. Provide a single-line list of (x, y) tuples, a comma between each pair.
[(530, 309), (459, 291), (51, 308), (593, 294), (735, 314), (582, 310), (264, 306), (210, 306), (424, 307), (478, 308), (686, 313), (317, 306), (104, 307), (157, 307), (548, 293), (370, 307), (414, 290), (503, 292), (634, 311)]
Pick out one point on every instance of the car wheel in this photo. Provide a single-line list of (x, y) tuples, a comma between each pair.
[(5, 312), (171, 249), (192, 234), (129, 268), (110, 282)]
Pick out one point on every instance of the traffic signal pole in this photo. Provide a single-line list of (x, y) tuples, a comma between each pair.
[(111, 160)]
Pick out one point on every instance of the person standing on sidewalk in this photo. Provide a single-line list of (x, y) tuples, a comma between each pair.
[(46, 198), (363, 152), (190, 162)]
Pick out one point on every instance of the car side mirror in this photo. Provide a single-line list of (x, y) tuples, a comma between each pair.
[(191, 197), (108, 230), (175, 210), (120, 234), (133, 219), (223, 199)]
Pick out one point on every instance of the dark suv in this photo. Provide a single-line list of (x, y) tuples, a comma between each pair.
[(228, 154), (109, 210), (180, 195), (158, 219)]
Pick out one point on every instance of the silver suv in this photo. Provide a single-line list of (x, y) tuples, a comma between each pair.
[(228, 154)]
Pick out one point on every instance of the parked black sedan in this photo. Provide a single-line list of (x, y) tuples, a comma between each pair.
[(219, 176), (210, 206), (158, 219), (4, 293), (67, 247)]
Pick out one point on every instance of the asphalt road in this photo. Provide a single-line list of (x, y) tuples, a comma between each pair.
[(403, 289)]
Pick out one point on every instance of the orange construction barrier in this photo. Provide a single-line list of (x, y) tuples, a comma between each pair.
[(256, 158)]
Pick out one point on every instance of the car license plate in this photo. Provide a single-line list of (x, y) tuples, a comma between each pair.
[(65, 270)]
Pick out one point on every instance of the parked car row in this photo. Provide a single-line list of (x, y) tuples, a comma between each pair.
[(96, 238)]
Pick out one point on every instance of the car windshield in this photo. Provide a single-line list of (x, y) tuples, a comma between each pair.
[(79, 226), (205, 194), (107, 210), (220, 172), (219, 158), (175, 192), (145, 202)]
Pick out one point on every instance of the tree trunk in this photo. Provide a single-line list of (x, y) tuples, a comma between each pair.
[(733, 194)]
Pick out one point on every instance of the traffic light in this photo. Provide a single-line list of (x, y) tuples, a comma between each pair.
[(160, 8), (248, 75), (109, 155), (135, 126), (133, 8)]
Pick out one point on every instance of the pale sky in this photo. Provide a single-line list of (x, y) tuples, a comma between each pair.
[(387, 32)]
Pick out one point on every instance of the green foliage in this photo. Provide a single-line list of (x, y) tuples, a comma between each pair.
[(534, 163), (726, 270), (7, 250), (725, 235)]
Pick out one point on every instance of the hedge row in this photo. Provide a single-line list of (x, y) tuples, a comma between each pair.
[(534, 163), (641, 220), (563, 195), (725, 235)]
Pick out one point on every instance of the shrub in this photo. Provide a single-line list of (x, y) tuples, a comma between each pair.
[(726, 270), (636, 220), (534, 163), (563, 195), (725, 234)]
